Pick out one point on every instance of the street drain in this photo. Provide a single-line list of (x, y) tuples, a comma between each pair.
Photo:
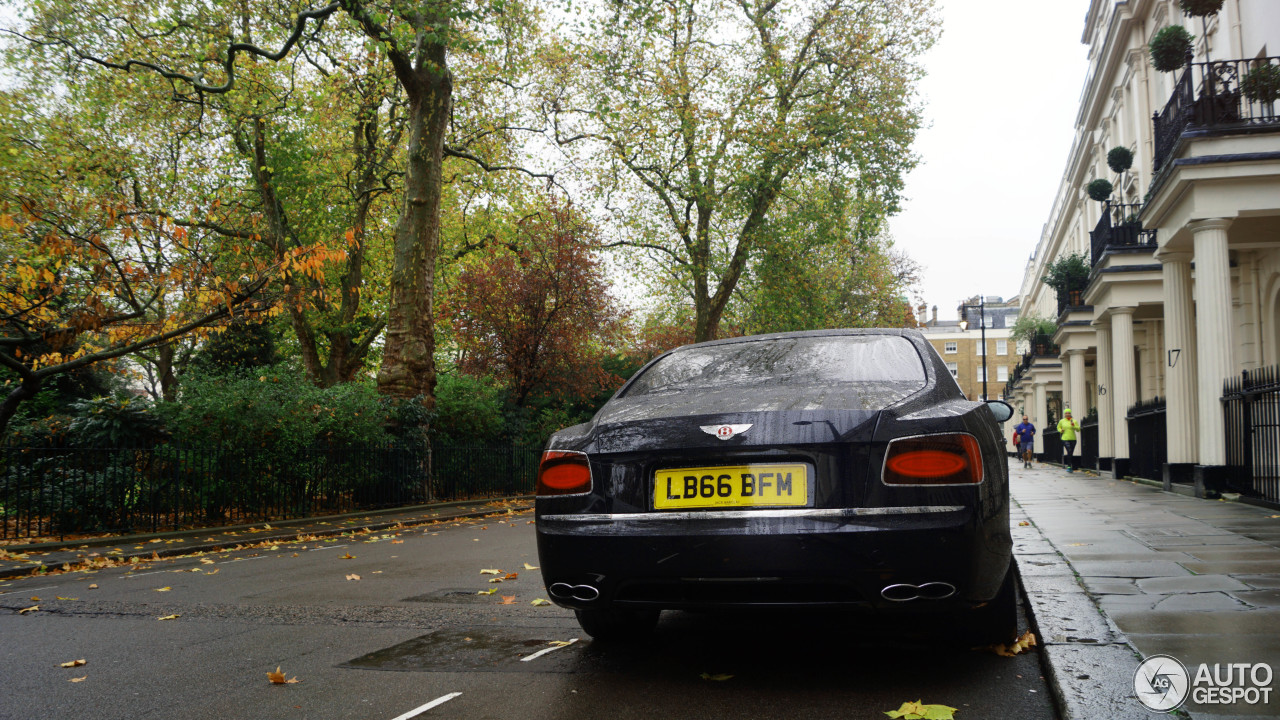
[(477, 650)]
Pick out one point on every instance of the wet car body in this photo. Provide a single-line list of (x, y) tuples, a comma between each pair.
[(685, 506)]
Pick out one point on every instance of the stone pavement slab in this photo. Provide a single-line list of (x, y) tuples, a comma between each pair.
[(1167, 574)]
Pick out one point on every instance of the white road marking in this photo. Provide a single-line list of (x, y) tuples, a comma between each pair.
[(333, 547), (540, 653), (419, 710), (138, 575), (27, 590)]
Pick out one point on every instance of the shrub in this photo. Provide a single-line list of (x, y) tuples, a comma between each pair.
[(1200, 8), (1099, 189), (1262, 84), (1119, 159), (1169, 48), (1025, 329), (275, 408), (1067, 273), (469, 411), (116, 422)]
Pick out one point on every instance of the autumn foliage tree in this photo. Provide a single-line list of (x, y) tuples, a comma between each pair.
[(535, 310), (90, 275)]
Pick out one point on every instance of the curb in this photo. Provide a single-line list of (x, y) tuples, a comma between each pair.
[(170, 551), (1088, 662)]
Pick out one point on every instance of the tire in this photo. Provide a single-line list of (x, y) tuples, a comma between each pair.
[(995, 622), (617, 625)]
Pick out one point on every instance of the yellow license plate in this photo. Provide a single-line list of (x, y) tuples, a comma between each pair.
[(771, 485)]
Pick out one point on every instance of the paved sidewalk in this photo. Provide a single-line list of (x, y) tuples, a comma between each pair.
[(18, 560), (1195, 579)]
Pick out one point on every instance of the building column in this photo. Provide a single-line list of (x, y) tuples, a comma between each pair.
[(1213, 345), (1079, 401), (1041, 418), (1181, 403), (1106, 418), (1064, 358), (1123, 383)]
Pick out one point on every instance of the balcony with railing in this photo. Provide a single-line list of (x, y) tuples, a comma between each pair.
[(1119, 227), (1219, 96)]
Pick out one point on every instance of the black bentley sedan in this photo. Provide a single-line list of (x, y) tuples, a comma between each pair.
[(836, 468)]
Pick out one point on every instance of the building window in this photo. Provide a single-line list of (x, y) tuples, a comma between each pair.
[(955, 369), (1002, 373), (989, 321), (981, 377), (980, 348), (1002, 347), (950, 347)]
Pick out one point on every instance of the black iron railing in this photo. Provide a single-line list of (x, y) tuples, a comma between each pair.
[(1215, 95), (1251, 407), (1089, 442), (53, 492), (1052, 442), (1148, 448), (1119, 227)]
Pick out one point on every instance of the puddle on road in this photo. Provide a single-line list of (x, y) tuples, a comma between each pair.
[(477, 650)]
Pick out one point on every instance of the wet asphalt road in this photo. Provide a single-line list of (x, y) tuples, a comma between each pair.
[(413, 629)]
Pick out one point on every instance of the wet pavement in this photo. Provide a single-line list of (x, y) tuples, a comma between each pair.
[(19, 559), (1116, 571)]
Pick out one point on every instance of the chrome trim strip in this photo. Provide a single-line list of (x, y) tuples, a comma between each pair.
[(748, 514)]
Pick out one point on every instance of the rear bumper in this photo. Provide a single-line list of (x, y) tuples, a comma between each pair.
[(800, 557)]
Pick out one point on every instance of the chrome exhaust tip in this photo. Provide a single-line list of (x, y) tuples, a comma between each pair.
[(581, 593), (906, 592)]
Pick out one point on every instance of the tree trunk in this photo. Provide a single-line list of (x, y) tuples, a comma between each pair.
[(408, 362), (25, 391)]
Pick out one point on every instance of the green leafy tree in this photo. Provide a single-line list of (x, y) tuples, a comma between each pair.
[(704, 113)]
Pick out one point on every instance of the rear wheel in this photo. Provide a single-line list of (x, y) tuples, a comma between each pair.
[(993, 623), (617, 624)]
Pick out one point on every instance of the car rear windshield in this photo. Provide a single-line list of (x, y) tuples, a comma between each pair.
[(817, 362)]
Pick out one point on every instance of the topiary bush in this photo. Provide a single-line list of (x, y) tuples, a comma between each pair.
[(1119, 159), (1099, 189), (1262, 84), (1169, 48), (1200, 8)]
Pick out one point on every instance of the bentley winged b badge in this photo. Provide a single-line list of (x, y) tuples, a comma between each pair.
[(724, 432)]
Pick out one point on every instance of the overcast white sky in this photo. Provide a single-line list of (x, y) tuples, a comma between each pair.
[(1001, 98)]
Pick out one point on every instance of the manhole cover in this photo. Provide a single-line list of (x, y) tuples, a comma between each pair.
[(463, 596), (479, 650)]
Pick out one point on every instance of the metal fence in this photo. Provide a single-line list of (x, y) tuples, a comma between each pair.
[(1222, 94), (1052, 442), (53, 492), (1148, 449), (1251, 406), (1089, 442)]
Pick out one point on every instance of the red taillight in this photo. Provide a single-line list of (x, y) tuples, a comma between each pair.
[(563, 473), (933, 460)]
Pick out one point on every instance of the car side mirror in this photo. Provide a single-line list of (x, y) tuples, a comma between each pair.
[(1001, 409)]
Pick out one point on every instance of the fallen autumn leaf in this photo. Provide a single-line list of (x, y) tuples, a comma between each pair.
[(24, 611), (490, 571), (353, 576), (277, 678), (508, 600), (74, 663), (527, 566), (919, 711), (79, 679), (540, 601), (169, 617)]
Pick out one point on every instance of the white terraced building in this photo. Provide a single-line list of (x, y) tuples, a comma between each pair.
[(1184, 257)]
